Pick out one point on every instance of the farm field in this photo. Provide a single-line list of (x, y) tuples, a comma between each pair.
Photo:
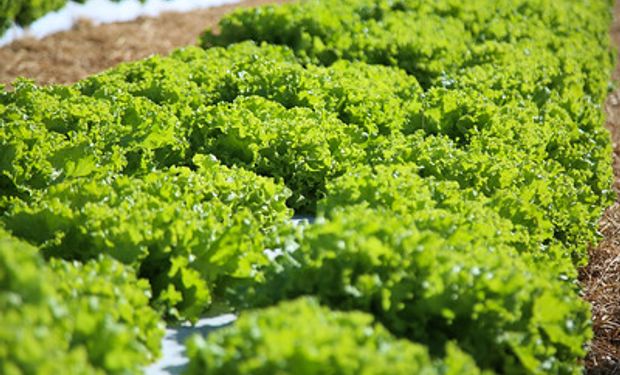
[(453, 154)]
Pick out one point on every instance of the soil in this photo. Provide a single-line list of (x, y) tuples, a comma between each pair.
[(600, 280), (69, 56)]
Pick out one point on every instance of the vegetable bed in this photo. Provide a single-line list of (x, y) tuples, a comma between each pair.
[(453, 154)]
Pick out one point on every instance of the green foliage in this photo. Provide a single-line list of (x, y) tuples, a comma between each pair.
[(51, 134), (517, 95), (110, 314), (431, 279), (399, 188), (453, 151), (72, 318), (181, 229), (34, 9), (323, 33), (140, 115), (301, 337), (32, 319), (533, 192), (8, 11), (303, 147), (431, 40)]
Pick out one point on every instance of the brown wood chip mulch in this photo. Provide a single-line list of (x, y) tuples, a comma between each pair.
[(69, 56)]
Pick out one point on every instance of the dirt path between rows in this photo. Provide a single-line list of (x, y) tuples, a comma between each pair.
[(69, 56), (601, 278)]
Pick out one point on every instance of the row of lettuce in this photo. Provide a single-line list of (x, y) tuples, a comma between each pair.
[(453, 153)]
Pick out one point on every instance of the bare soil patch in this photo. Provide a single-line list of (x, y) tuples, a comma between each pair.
[(600, 280), (71, 55), (601, 285)]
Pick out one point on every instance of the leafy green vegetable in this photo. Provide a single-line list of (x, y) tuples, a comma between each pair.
[(428, 277), (32, 319), (453, 151), (517, 94), (110, 313), (301, 337), (91, 318), (181, 229), (303, 147)]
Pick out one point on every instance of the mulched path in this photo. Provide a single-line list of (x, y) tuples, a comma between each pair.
[(601, 278), (68, 56), (71, 55)]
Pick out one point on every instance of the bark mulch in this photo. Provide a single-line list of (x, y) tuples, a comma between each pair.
[(600, 280), (69, 56)]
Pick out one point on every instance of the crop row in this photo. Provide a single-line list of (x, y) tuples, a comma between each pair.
[(452, 152)]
